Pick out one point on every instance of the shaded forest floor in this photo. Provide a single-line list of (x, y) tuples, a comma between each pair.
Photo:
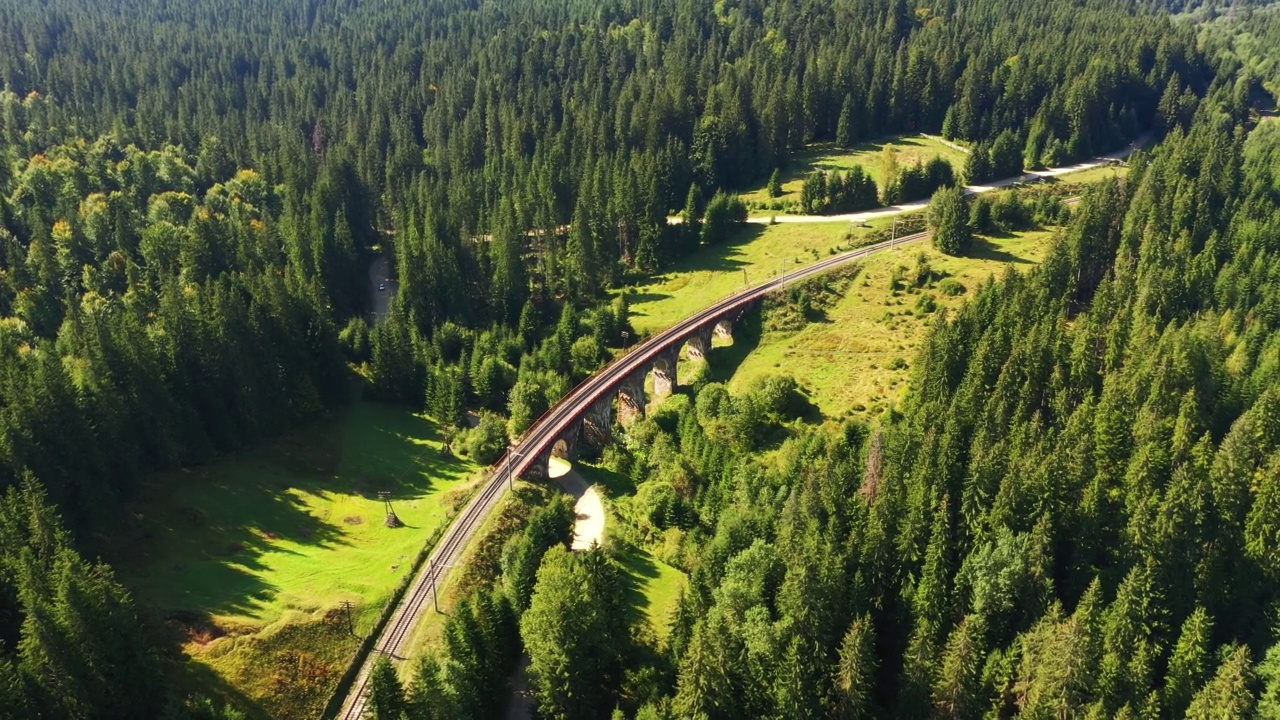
[(249, 560)]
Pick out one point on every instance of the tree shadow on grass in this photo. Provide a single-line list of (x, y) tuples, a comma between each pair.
[(984, 249), (193, 678), (195, 540), (615, 484), (638, 567), (717, 258), (639, 298), (723, 361)]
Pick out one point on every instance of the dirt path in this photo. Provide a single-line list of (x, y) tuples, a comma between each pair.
[(588, 529)]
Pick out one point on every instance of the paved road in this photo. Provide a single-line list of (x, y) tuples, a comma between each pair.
[(379, 274), (544, 433), (861, 217)]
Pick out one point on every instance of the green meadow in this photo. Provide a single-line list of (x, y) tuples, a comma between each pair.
[(908, 150), (250, 560)]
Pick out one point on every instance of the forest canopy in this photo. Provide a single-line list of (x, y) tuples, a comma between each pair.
[(1078, 492)]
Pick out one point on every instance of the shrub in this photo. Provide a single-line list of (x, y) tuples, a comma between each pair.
[(487, 441)]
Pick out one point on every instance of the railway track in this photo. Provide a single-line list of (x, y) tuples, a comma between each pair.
[(540, 437), (555, 421)]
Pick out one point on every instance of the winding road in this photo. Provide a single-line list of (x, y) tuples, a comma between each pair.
[(544, 433)]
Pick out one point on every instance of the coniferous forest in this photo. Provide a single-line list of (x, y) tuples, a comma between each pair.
[(1075, 511)]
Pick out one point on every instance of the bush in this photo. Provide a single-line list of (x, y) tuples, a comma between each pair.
[(776, 395), (724, 213), (487, 441), (951, 287), (586, 354)]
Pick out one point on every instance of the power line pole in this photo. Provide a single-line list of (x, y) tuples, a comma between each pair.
[(392, 521), (435, 594), (511, 452), (351, 628)]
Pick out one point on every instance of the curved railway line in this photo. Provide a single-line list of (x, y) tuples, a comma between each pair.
[(540, 437), (544, 433)]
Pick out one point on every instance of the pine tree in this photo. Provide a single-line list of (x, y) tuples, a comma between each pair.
[(957, 691), (1189, 666), (856, 671), (775, 183), (949, 221), (386, 696), (1229, 694), (845, 130)]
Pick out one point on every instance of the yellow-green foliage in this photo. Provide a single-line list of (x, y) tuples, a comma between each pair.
[(855, 359)]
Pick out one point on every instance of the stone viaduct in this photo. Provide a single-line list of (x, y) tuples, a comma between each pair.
[(623, 393)]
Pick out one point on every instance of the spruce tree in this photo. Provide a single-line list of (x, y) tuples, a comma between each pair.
[(386, 695), (949, 221)]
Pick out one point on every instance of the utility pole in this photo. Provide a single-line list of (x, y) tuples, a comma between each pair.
[(346, 605), (435, 594), (392, 521), (511, 452), (625, 336)]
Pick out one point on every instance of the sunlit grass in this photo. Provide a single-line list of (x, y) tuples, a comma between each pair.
[(254, 556), (755, 254), (856, 360), (828, 157)]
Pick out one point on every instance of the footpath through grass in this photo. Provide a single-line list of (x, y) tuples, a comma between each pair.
[(826, 156), (250, 559)]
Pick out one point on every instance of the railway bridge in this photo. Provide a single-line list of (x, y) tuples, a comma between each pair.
[(586, 414), (598, 409)]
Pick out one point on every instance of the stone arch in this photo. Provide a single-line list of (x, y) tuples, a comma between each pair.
[(566, 446), (699, 343), (631, 397), (664, 371), (724, 328), (597, 426)]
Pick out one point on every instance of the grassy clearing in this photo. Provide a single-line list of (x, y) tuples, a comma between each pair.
[(654, 588), (250, 558), (1093, 175), (854, 361), (761, 251), (829, 157)]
